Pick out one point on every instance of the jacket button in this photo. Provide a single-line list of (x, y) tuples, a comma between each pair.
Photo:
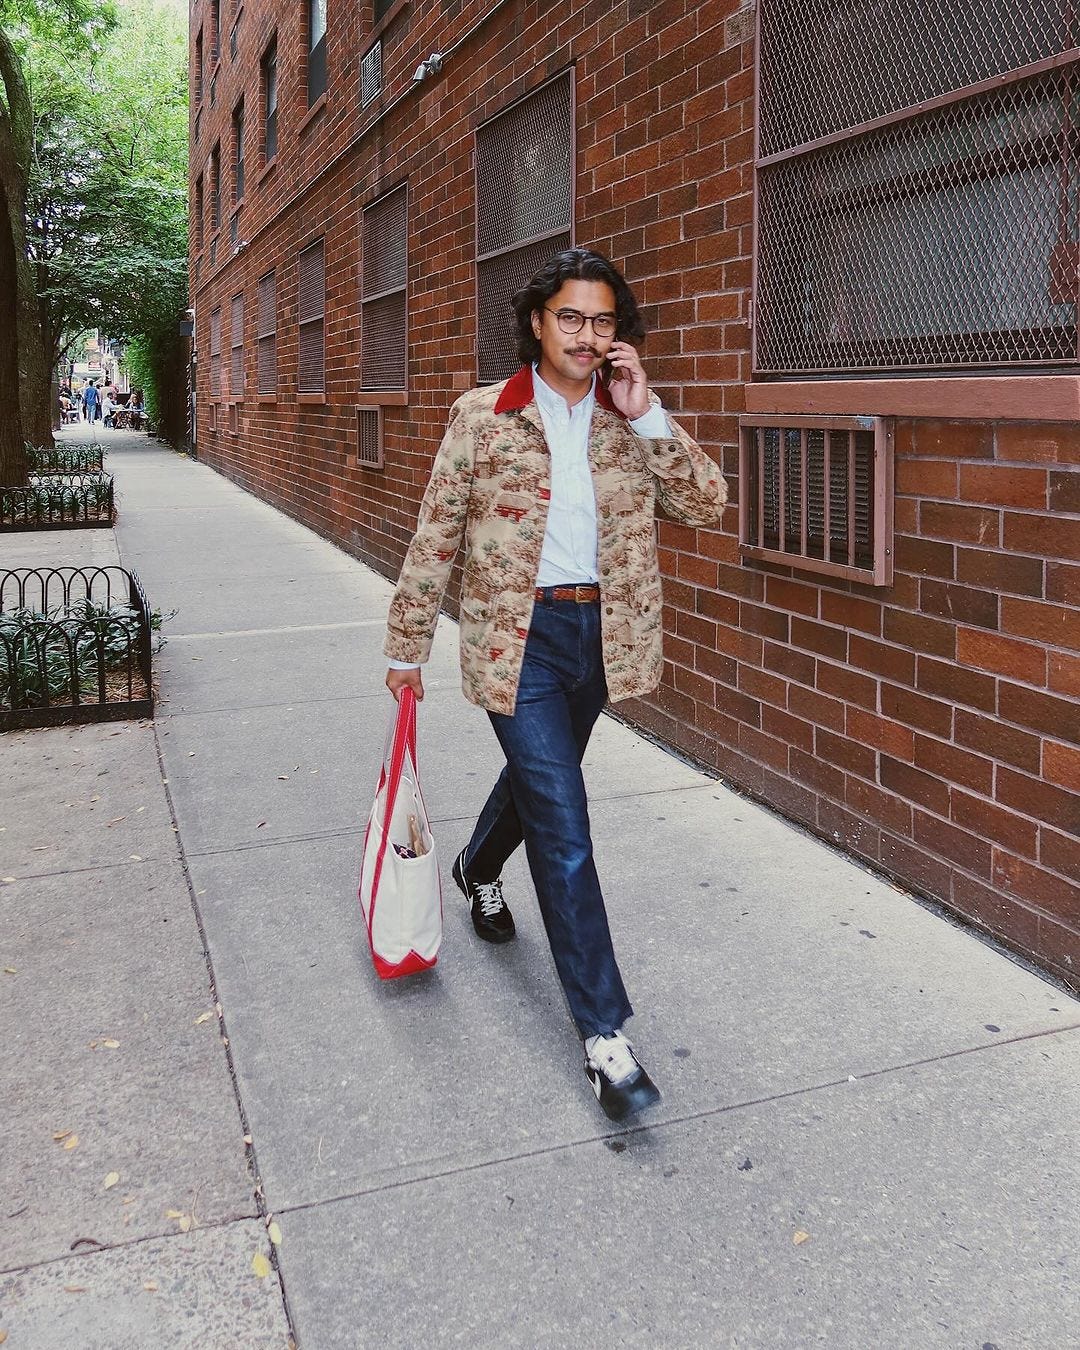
[(609, 610)]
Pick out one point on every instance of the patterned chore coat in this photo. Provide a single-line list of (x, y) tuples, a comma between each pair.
[(490, 487)]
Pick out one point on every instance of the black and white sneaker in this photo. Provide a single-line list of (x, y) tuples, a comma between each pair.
[(621, 1085), (490, 916)]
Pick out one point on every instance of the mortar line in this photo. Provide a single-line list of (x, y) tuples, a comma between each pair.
[(653, 1128)]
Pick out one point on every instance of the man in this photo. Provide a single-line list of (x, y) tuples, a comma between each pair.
[(551, 479), (90, 401)]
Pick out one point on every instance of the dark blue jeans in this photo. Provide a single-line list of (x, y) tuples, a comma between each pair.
[(540, 797)]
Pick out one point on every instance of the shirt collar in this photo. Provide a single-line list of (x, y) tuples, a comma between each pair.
[(519, 391)]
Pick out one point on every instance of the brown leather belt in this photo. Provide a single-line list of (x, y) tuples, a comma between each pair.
[(587, 593)]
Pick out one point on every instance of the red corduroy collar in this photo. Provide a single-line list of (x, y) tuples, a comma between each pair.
[(518, 391)]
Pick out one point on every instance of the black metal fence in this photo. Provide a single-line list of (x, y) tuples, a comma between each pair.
[(58, 501), (75, 646), (65, 459)]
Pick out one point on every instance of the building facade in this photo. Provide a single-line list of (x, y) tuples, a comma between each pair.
[(856, 235)]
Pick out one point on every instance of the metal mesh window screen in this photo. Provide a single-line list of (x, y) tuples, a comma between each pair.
[(800, 473), (524, 209), (236, 348), (311, 306), (369, 437), (384, 337), (215, 353), (940, 237), (267, 334), (371, 75)]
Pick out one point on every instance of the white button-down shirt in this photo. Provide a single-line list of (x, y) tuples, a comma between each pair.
[(568, 556)]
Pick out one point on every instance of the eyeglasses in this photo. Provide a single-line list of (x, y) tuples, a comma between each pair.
[(573, 321)]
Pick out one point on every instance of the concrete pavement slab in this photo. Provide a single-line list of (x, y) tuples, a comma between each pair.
[(194, 1291), (88, 796), (930, 1207), (60, 548), (102, 1043)]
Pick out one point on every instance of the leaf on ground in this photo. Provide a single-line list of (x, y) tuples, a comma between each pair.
[(800, 1237), (184, 1223), (135, 857), (203, 1017), (73, 1142), (110, 1181), (10, 970), (260, 1265), (115, 821), (62, 1134), (111, 1044), (174, 1214), (7, 880), (274, 1230), (150, 1286)]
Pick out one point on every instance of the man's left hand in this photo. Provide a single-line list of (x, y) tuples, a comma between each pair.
[(629, 389)]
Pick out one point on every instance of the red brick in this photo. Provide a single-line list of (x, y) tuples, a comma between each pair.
[(1042, 535), (960, 604), (925, 557), (846, 754), (1038, 442), (816, 773), (851, 612), (739, 706), (770, 623), (711, 605), (788, 796), (920, 633), (848, 830), (956, 765), (793, 730), (916, 710), (791, 664), (1060, 852), (914, 785), (1043, 801), (1061, 765), (1065, 491), (848, 684), (917, 868), (1034, 886), (817, 637), (999, 913), (995, 823), (1063, 675), (881, 733), (998, 571), (954, 440), (945, 680), (766, 749), (792, 595), (698, 686), (960, 524), (1058, 947), (1055, 624), (892, 662), (999, 485), (761, 685), (885, 808), (987, 651), (816, 708), (966, 850), (988, 736), (926, 477), (1041, 712), (1062, 583), (697, 571)]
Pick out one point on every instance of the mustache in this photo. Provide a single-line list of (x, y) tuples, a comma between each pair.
[(580, 351)]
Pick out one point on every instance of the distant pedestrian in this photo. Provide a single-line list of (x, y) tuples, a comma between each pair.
[(92, 402)]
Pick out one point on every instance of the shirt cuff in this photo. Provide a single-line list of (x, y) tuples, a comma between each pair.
[(653, 425), (403, 665)]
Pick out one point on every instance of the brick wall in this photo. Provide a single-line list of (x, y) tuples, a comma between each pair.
[(929, 728)]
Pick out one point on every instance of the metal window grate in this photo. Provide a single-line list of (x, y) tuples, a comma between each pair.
[(524, 209), (369, 437), (384, 339), (311, 306), (215, 353), (937, 236), (267, 334), (799, 473), (236, 348), (371, 75)]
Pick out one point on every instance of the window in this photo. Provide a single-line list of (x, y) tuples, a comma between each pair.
[(269, 101), (267, 334), (311, 307), (918, 193), (215, 32), (200, 207), (524, 210), (383, 310), (797, 473), (199, 68), (215, 186), (316, 62), (215, 354), (238, 151), (236, 347)]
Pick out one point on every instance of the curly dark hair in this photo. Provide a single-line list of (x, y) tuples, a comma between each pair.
[(574, 264)]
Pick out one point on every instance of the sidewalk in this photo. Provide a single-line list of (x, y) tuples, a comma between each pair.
[(870, 1135)]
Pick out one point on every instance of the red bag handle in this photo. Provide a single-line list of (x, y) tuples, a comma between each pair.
[(403, 740)]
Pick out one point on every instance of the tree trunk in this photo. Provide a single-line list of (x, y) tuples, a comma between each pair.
[(13, 468)]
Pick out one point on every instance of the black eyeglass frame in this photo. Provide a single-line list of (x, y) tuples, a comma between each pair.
[(561, 315)]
